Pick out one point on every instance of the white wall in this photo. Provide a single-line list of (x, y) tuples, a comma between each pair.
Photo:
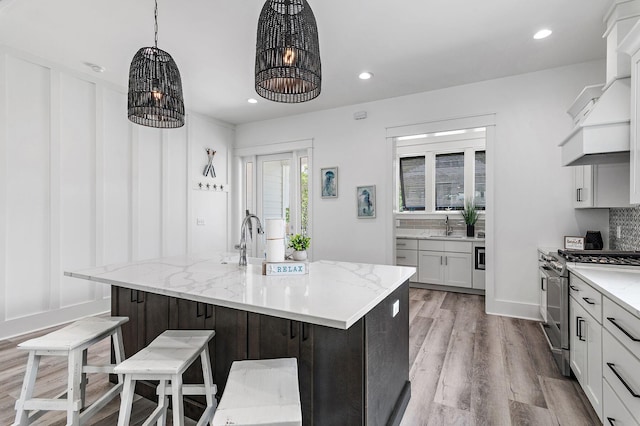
[(81, 186), (532, 199)]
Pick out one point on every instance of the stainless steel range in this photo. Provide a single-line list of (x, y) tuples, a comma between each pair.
[(555, 279)]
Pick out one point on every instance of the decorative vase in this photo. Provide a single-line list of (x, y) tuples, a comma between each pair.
[(471, 230), (299, 255)]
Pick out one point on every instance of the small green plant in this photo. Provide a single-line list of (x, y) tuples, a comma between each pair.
[(470, 214), (299, 242)]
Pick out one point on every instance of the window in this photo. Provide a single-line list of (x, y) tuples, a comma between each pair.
[(441, 171), (480, 180), (450, 181), (412, 192)]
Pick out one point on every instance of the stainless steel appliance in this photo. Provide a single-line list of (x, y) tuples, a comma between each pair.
[(480, 258), (555, 280)]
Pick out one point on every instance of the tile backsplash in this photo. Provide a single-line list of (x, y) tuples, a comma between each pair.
[(437, 226), (628, 219)]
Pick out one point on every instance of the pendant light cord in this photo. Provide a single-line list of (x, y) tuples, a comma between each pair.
[(155, 16)]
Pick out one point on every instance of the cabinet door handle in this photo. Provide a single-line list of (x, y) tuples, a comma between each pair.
[(579, 322), (589, 301), (198, 309), (611, 421), (140, 296), (445, 260), (305, 332), (208, 311), (134, 296), (574, 288), (577, 194), (440, 260), (292, 329), (626, 385), (613, 321), (542, 283)]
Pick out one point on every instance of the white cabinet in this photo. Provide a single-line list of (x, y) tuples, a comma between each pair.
[(631, 46), (620, 364), (601, 186), (407, 254), (445, 263), (586, 353)]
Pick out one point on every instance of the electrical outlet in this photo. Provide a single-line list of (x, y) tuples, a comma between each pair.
[(200, 221), (618, 231), (396, 308)]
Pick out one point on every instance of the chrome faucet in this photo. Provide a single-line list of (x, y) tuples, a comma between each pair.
[(447, 228), (246, 223)]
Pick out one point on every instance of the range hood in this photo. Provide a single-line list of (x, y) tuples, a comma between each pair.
[(602, 135)]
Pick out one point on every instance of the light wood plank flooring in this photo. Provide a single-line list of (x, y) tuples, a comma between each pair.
[(467, 368)]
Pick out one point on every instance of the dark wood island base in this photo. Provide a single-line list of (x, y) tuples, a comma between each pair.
[(357, 376)]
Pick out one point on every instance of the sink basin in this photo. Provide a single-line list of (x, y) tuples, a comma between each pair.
[(447, 236)]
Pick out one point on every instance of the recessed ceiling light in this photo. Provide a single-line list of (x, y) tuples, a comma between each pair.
[(252, 101), (544, 33), (365, 75), (95, 67)]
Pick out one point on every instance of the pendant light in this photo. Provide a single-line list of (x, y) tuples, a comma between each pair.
[(287, 52), (155, 87)]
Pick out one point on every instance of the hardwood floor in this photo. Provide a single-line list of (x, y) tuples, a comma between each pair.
[(467, 368)]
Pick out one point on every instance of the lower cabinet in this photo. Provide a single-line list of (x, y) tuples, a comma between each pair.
[(346, 377), (615, 413), (586, 353), (445, 268)]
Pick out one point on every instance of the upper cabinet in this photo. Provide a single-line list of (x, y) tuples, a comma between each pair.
[(601, 186), (631, 46)]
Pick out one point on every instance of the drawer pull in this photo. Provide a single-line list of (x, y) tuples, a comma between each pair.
[(626, 385), (574, 288), (611, 421), (401, 257), (586, 299), (613, 321), (401, 244)]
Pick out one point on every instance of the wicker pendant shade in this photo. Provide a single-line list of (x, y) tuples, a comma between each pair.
[(155, 88), (287, 52)]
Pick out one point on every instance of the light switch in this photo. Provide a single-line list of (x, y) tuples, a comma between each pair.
[(200, 221), (396, 308)]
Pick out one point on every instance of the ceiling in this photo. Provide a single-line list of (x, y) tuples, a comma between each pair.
[(410, 45)]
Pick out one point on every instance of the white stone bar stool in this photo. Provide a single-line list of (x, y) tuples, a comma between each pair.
[(166, 359), (71, 341), (261, 392)]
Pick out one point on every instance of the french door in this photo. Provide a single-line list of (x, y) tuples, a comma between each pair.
[(279, 188)]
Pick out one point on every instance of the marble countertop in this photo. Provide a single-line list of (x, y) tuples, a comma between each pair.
[(620, 284), (333, 294), (419, 234)]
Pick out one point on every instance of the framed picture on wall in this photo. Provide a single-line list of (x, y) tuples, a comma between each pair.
[(366, 201), (329, 182)]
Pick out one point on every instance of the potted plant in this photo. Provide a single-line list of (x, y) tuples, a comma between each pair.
[(299, 243), (470, 216)]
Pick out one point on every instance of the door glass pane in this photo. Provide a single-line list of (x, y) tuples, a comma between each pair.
[(249, 187), (480, 180), (450, 181), (412, 183), (304, 194), (275, 189)]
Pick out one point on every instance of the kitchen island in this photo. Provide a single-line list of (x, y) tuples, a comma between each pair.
[(346, 323)]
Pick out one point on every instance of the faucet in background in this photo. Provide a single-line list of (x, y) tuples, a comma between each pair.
[(246, 223), (447, 228)]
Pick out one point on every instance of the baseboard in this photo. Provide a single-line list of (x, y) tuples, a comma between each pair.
[(31, 323), (510, 308), (452, 289)]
